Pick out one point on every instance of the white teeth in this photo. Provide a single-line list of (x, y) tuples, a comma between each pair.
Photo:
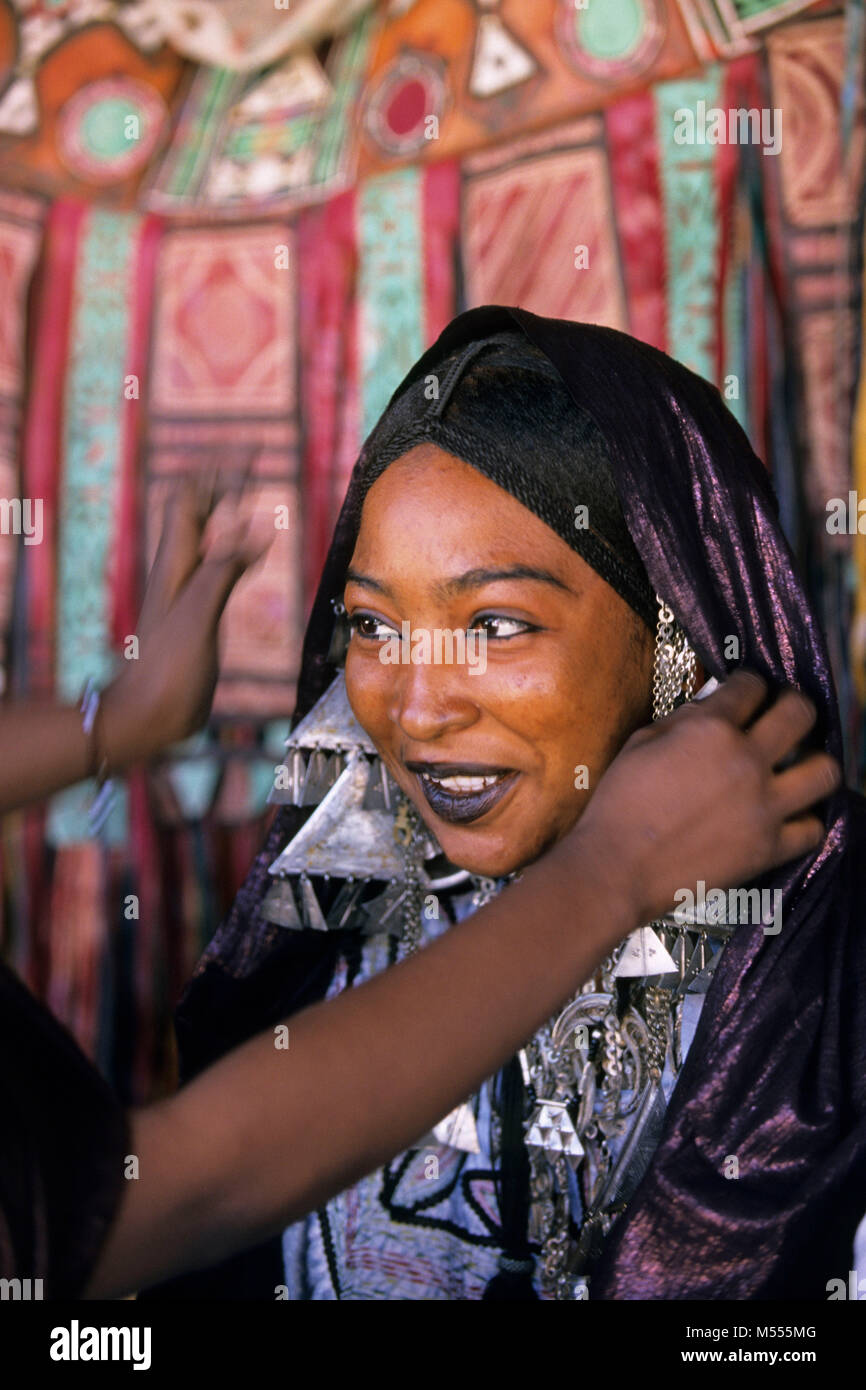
[(464, 784)]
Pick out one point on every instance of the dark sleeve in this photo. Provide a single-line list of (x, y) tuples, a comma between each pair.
[(63, 1138)]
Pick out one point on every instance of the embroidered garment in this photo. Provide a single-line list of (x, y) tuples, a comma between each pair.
[(776, 1072), (426, 1226)]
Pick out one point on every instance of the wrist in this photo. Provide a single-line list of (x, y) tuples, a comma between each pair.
[(113, 741), (584, 861), (91, 710)]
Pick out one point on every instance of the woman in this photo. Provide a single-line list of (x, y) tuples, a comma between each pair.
[(130, 1198), (543, 483)]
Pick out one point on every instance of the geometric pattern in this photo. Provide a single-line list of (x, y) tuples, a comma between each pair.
[(690, 200), (527, 221), (222, 325), (551, 1128), (818, 207), (222, 393)]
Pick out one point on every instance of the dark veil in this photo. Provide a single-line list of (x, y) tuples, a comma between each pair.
[(776, 1074)]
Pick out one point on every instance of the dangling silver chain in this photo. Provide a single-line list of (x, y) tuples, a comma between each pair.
[(674, 666), (407, 827)]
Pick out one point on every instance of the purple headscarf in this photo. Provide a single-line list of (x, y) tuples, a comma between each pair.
[(776, 1073)]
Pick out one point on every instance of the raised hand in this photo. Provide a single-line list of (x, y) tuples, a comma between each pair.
[(166, 693), (700, 795)]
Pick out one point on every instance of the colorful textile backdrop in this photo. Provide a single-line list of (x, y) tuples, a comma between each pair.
[(236, 265)]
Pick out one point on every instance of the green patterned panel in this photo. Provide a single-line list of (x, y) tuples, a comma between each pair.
[(92, 454), (691, 223), (391, 286)]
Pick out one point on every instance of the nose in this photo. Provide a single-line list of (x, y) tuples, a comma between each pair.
[(429, 700)]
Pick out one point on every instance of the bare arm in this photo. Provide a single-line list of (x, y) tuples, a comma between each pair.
[(267, 1134), (161, 696)]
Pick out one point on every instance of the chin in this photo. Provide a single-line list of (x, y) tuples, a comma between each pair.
[(492, 860)]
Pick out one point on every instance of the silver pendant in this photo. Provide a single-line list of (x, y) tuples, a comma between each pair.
[(644, 955), (551, 1128), (314, 918), (279, 906), (341, 838), (458, 1130)]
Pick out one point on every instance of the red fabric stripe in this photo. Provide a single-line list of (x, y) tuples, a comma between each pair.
[(508, 204), (541, 221), (42, 436), (327, 259), (639, 207), (440, 220)]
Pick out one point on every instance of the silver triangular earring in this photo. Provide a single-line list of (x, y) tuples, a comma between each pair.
[(341, 838), (362, 830)]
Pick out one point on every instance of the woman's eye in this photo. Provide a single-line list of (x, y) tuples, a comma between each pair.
[(497, 626), (365, 625)]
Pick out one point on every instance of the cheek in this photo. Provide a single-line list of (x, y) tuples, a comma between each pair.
[(367, 688), (577, 707)]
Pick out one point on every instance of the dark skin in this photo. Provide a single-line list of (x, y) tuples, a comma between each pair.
[(569, 663), (165, 694), (269, 1133)]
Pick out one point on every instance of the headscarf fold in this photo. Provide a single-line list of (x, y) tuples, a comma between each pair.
[(776, 1074)]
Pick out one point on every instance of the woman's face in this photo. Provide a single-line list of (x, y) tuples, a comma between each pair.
[(568, 669)]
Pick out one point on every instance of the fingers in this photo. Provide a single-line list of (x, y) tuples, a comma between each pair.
[(237, 533), (801, 786), (783, 726), (176, 556), (221, 481), (797, 838), (737, 699), (208, 592)]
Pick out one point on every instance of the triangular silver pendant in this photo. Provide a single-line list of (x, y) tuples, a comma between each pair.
[(385, 912), (551, 1128), (341, 838), (458, 1130), (279, 905), (702, 981), (314, 918), (644, 955), (331, 724), (382, 793), (314, 788), (345, 903)]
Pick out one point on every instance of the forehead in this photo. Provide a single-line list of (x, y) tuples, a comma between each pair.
[(440, 502)]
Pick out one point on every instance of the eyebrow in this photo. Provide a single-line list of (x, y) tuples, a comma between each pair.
[(472, 579)]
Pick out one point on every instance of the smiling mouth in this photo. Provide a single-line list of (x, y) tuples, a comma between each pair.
[(462, 792)]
